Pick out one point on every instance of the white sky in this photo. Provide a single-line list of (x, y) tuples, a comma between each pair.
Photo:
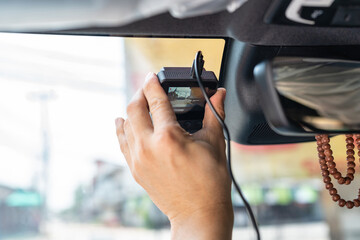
[(85, 76)]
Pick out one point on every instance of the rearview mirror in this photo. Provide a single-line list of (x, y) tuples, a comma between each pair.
[(304, 95)]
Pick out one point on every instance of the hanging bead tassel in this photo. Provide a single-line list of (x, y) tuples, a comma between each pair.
[(328, 167)]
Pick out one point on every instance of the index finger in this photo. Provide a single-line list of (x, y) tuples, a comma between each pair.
[(159, 104)]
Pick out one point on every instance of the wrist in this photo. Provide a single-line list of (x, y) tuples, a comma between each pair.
[(204, 223)]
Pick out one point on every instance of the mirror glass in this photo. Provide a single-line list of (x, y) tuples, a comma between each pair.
[(319, 94)]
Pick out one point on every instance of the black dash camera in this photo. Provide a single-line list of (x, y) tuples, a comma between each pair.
[(185, 94)]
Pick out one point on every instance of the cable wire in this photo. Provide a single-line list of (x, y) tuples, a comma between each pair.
[(197, 69)]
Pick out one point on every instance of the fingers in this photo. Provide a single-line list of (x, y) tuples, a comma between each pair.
[(119, 122), (130, 138), (212, 131), (159, 105), (217, 100), (138, 115)]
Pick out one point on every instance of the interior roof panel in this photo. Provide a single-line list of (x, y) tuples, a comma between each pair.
[(246, 25)]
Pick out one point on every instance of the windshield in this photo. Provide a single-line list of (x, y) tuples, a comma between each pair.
[(62, 173)]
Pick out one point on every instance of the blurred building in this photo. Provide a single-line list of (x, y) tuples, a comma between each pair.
[(20, 211), (114, 198), (278, 203)]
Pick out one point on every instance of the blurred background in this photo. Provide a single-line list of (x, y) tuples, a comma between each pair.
[(62, 175)]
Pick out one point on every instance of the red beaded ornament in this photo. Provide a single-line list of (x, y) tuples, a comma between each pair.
[(328, 167)]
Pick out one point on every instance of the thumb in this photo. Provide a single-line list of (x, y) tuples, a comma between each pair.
[(217, 100)]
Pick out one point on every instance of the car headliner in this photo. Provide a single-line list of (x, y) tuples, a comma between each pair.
[(246, 25)]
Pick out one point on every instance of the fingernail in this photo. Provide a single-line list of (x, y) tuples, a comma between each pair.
[(149, 76), (223, 90), (118, 121)]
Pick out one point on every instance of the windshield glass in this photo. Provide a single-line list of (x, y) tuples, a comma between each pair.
[(62, 175)]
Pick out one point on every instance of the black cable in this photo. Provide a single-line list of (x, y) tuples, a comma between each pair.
[(197, 68)]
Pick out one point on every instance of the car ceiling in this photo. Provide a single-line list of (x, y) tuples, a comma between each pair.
[(245, 24)]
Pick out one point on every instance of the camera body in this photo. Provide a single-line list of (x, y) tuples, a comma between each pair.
[(185, 94)]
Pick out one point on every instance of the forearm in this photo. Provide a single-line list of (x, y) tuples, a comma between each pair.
[(211, 224)]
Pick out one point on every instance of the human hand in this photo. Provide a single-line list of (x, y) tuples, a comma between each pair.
[(185, 175)]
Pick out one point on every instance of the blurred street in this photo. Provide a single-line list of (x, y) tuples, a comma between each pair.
[(62, 231)]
